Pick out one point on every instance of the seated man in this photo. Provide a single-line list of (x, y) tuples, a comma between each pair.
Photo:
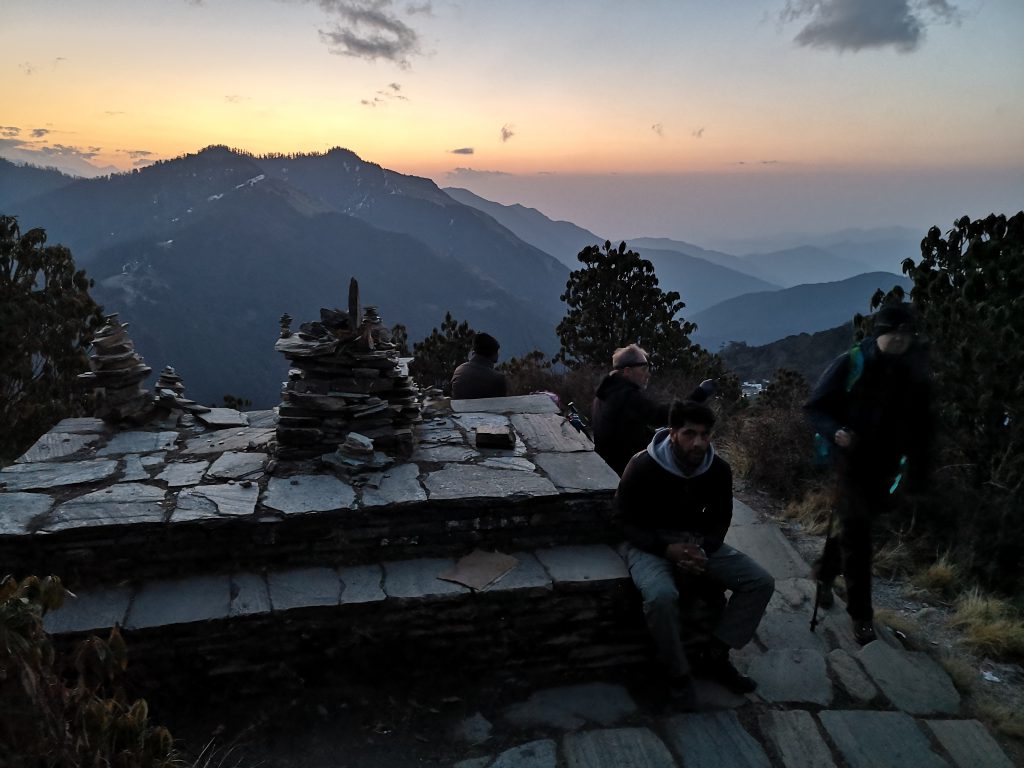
[(674, 504), (623, 416), (477, 377)]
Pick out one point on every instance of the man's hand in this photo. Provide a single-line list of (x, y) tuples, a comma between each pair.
[(689, 558)]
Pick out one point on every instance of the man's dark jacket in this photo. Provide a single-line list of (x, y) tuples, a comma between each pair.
[(624, 420), (654, 507), (477, 378)]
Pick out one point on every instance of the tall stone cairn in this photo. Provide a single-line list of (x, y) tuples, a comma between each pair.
[(117, 375), (345, 377)]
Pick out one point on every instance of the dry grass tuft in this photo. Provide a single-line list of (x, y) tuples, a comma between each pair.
[(940, 577), (1007, 720), (900, 622), (811, 511), (893, 558), (961, 672), (990, 624)]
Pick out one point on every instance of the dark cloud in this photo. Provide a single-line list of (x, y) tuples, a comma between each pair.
[(852, 25), (472, 173), (6, 143), (38, 133), (461, 151), (697, 133), (368, 29), (136, 154), (419, 9), (9, 131), (658, 129), (507, 132), (62, 150)]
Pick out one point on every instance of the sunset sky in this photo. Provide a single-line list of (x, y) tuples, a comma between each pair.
[(696, 120)]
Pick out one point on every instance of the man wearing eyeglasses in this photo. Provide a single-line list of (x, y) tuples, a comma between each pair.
[(624, 418)]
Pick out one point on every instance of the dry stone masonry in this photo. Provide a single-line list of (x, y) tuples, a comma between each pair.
[(117, 375)]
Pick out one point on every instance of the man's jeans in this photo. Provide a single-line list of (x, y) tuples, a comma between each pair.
[(750, 584)]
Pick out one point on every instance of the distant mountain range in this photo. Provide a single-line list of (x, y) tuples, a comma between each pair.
[(809, 354)]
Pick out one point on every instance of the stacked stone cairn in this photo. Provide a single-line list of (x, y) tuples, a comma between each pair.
[(170, 394), (345, 378), (117, 375)]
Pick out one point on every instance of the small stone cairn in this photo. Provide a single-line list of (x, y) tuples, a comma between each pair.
[(170, 393), (345, 378), (117, 375)]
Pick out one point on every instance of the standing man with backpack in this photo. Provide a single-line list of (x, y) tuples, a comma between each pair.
[(872, 406)]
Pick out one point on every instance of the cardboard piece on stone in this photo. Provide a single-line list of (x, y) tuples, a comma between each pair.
[(479, 569)]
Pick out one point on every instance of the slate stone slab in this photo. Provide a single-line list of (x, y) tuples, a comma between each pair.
[(516, 404), (466, 482), (714, 739), (304, 587), (792, 675), (204, 502), (534, 754), (96, 609), (17, 510), (180, 601), (969, 744), (393, 486), (743, 514), (121, 504), (470, 421), (218, 418), (249, 438), (528, 574), (475, 729), (571, 707), (86, 425), (440, 435), (138, 442), (851, 676), (134, 470), (183, 473), (550, 432), (56, 445), (508, 462), (308, 493), (912, 681), (235, 465), (362, 584), (33, 477), (616, 748), (766, 544), (262, 419), (441, 453), (868, 739), (249, 595), (782, 629), (796, 739), (578, 471), (594, 562), (418, 578)]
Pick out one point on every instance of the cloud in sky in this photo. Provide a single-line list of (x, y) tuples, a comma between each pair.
[(369, 29), (507, 132), (469, 174), (697, 133), (461, 151), (38, 133), (9, 131), (852, 25), (658, 129), (28, 68)]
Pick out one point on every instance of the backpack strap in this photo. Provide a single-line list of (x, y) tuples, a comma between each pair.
[(856, 367)]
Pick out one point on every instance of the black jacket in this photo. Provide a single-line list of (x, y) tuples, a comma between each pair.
[(477, 378), (624, 420)]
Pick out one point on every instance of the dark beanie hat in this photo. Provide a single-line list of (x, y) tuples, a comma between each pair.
[(892, 317), (485, 344)]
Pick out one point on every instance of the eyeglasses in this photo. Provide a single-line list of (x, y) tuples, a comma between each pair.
[(644, 364)]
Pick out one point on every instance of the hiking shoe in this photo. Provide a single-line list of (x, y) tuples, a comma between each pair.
[(683, 696), (716, 666), (825, 597), (864, 631)]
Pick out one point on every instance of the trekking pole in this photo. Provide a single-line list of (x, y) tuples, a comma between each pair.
[(817, 591)]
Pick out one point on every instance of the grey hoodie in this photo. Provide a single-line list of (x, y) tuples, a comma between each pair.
[(660, 449)]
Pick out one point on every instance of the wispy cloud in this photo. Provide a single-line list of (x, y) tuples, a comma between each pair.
[(419, 9), (507, 132), (461, 151), (369, 29), (9, 131), (658, 129), (38, 133), (28, 68), (471, 173), (113, 112), (853, 25), (697, 133), (234, 98)]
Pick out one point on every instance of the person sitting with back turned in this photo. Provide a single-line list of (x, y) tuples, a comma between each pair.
[(623, 417), (477, 377), (674, 506)]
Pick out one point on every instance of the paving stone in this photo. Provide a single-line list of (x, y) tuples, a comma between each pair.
[(743, 514), (851, 676), (528, 574), (969, 744), (261, 419), (580, 471), (781, 629), (571, 707), (180, 601), (236, 465), (397, 485), (868, 739), (134, 470), (98, 608), (912, 681), (534, 754), (152, 460), (418, 578), (121, 504), (470, 421), (56, 445), (796, 739), (594, 562), (714, 739), (249, 594), (203, 502), (362, 584), (475, 762), (515, 404), (308, 493), (33, 477), (508, 462), (438, 434), (219, 418), (17, 510), (475, 729), (766, 544), (183, 473), (249, 438), (138, 442), (616, 748), (304, 587), (87, 425), (465, 482), (550, 432), (437, 454), (793, 675)]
